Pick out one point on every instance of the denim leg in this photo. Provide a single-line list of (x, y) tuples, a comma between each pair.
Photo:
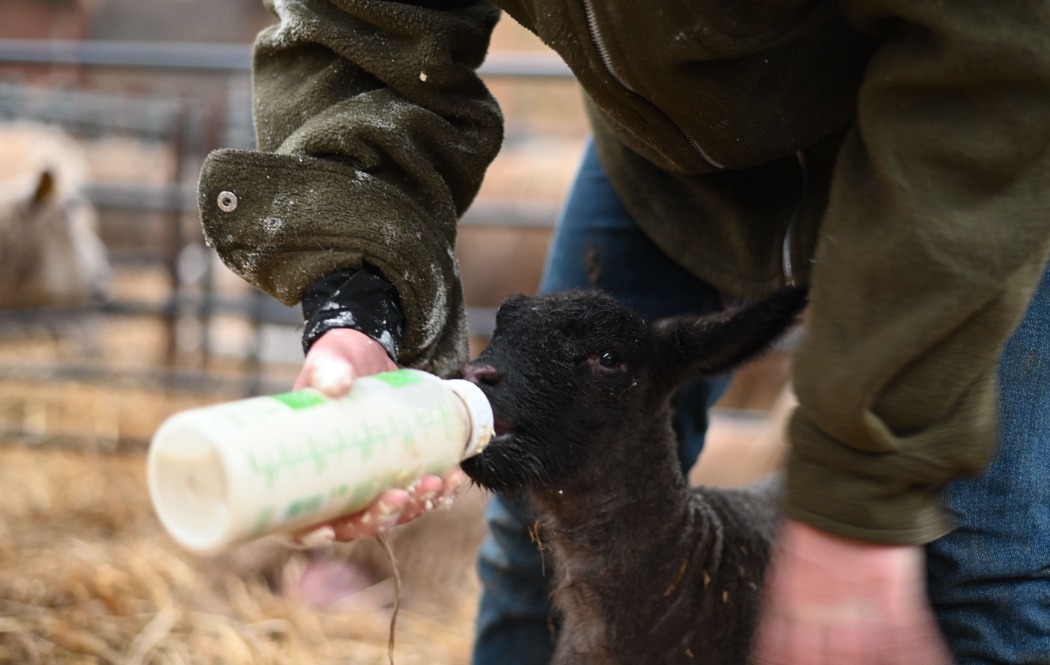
[(515, 625), (989, 580), (596, 243)]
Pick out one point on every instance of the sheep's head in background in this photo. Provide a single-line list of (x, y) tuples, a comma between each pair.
[(49, 251), (571, 374)]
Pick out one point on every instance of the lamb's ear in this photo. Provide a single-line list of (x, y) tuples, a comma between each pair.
[(44, 190), (692, 346)]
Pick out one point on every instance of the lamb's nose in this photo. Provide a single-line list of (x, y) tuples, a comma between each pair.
[(481, 374)]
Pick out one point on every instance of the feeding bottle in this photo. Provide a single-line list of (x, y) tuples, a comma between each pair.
[(225, 474)]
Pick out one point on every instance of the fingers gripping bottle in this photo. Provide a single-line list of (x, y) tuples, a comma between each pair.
[(233, 472)]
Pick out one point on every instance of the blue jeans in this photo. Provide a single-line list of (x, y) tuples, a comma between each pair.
[(988, 579), (597, 244)]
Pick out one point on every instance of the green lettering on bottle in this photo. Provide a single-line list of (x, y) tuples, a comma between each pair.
[(303, 506), (399, 378), (300, 399)]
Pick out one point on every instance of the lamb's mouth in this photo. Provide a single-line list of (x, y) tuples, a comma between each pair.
[(505, 465), (502, 436)]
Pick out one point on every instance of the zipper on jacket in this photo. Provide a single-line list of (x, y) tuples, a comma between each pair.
[(787, 265), (606, 58), (789, 271)]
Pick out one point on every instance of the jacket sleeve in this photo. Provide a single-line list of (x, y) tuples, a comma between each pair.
[(935, 235), (374, 132)]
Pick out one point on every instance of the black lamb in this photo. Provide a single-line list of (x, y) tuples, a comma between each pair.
[(647, 570)]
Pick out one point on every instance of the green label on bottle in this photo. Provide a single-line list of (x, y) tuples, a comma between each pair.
[(399, 378), (300, 399)]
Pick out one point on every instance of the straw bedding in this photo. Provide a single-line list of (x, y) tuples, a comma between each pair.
[(88, 576)]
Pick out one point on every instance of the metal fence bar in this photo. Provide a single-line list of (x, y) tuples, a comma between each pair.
[(164, 198), (149, 117), (220, 58), (139, 378), (175, 199), (132, 54)]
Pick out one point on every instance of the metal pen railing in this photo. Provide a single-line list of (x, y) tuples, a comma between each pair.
[(222, 58), (180, 123)]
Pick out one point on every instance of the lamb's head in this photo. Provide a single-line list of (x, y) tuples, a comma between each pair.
[(573, 374)]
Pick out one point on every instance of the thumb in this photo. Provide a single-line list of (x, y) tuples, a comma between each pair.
[(327, 373)]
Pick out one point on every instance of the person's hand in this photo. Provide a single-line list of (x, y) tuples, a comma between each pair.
[(338, 357), (834, 601), (334, 361)]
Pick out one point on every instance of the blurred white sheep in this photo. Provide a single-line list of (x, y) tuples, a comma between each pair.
[(50, 254)]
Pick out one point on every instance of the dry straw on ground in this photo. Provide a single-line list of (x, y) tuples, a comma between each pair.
[(86, 576)]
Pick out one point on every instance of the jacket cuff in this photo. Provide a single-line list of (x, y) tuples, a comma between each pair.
[(845, 492), (283, 222), (358, 299)]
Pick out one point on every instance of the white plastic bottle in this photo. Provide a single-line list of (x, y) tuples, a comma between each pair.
[(229, 473)]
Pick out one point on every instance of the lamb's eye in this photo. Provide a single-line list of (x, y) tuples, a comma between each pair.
[(606, 361)]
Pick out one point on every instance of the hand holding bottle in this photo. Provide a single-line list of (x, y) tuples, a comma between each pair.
[(335, 360), (353, 461)]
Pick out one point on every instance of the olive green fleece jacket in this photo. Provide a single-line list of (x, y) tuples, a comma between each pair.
[(892, 154)]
